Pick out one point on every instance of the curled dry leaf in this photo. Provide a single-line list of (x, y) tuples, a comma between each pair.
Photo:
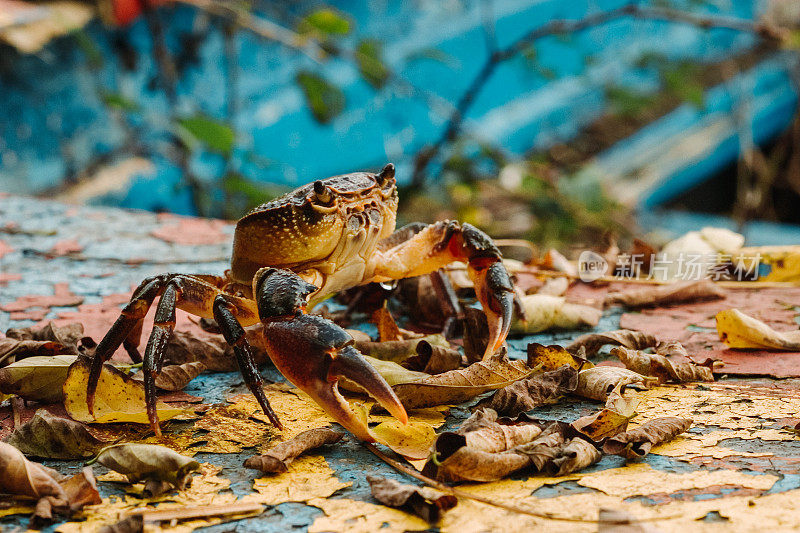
[(661, 367), (476, 334), (21, 477), (482, 431), (526, 394), (664, 295), (119, 397), (424, 502), (554, 286), (148, 461), (554, 357), (52, 437), (543, 312), (81, 489), (393, 373), (575, 455), (398, 351), (48, 340), (739, 330), (603, 424), (176, 377), (280, 456), (433, 359), (592, 342), (598, 382), (37, 378), (637, 443), (458, 386)]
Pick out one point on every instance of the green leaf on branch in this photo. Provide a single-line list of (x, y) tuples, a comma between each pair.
[(215, 135), (325, 100), (324, 21), (118, 101), (369, 56)]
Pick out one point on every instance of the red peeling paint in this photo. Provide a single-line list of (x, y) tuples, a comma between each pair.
[(4, 248), (192, 231), (66, 247), (5, 278), (62, 296)]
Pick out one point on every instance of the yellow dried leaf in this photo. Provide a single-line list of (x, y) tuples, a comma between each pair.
[(543, 312), (412, 441), (353, 516), (739, 330), (119, 398), (553, 357)]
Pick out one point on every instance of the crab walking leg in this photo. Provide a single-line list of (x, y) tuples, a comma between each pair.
[(224, 314), (442, 243), (313, 352), (183, 291)]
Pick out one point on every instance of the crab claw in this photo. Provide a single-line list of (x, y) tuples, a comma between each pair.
[(495, 291), (312, 353)]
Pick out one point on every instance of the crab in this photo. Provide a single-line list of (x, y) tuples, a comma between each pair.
[(290, 254)]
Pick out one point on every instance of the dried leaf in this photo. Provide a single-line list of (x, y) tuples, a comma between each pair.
[(544, 312), (278, 458), (81, 489), (664, 295), (21, 477), (553, 357), (37, 378), (554, 286), (434, 359), (176, 377), (52, 437), (637, 443), (603, 424), (739, 330), (423, 502), (413, 440), (592, 342), (398, 351), (459, 386), (576, 455), (148, 461), (526, 394), (387, 327), (598, 382), (661, 367), (213, 352), (119, 397), (476, 334), (67, 336)]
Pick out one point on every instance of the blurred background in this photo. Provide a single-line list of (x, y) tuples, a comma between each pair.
[(563, 122)]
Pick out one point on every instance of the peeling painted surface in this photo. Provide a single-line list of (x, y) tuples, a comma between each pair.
[(119, 248)]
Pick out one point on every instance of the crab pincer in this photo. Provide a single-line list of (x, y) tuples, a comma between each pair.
[(313, 352)]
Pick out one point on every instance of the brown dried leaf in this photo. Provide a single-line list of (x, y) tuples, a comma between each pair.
[(628, 338), (280, 456), (598, 382), (637, 443), (176, 377), (81, 489), (739, 330), (457, 386), (398, 351), (576, 455), (526, 394), (553, 357), (664, 295), (545, 448), (433, 359), (476, 334), (602, 425), (13, 350), (661, 367), (213, 352), (423, 502), (21, 477), (52, 437), (148, 461), (67, 336), (388, 329)]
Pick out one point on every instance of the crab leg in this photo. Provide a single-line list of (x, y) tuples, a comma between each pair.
[(440, 244), (313, 352), (190, 293)]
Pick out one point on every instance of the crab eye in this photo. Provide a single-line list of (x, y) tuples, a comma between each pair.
[(386, 173), (322, 193)]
